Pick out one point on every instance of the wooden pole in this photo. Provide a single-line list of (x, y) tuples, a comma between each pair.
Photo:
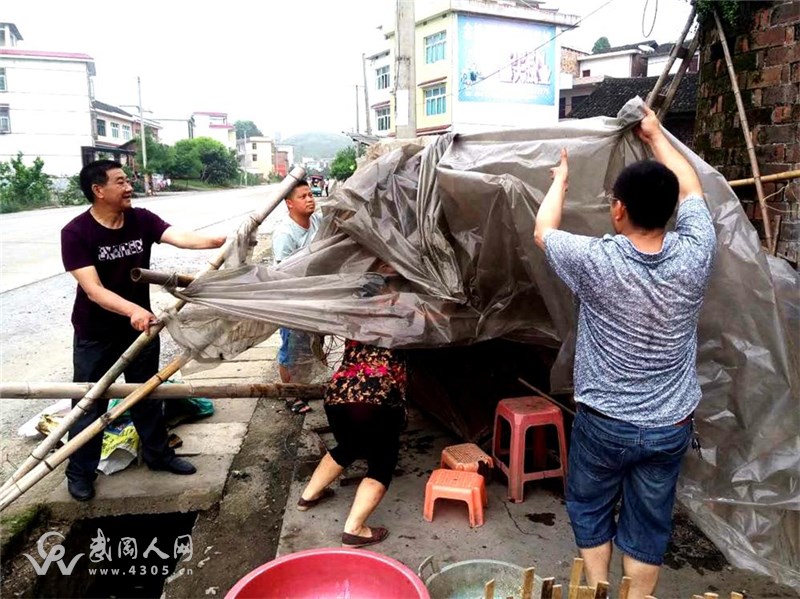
[(50, 463), (766, 178), (547, 587), (154, 277), (527, 583), (601, 591), (676, 49), (250, 224), (575, 577), (168, 391), (748, 138), (676, 80), (624, 587), (488, 590)]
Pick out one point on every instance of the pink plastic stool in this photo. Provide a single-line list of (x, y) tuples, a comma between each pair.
[(522, 413), (460, 485)]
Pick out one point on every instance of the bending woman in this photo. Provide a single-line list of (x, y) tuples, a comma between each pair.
[(365, 405)]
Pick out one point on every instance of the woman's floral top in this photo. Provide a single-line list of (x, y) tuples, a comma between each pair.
[(369, 374)]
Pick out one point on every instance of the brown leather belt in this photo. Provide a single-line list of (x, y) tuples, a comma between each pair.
[(583, 407)]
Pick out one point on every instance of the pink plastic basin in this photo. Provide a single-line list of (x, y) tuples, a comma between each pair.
[(331, 574)]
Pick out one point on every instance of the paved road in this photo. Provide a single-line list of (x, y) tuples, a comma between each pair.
[(36, 295)]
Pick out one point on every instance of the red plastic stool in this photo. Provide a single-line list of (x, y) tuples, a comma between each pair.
[(522, 413), (459, 485), (468, 457)]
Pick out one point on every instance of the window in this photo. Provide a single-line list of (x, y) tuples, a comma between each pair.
[(435, 100), (126, 131), (384, 118), (382, 75), (586, 73), (5, 120), (115, 130), (2, 36), (3, 87), (255, 157), (435, 47), (101, 128), (255, 146), (562, 108)]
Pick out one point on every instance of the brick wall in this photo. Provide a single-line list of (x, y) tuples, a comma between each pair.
[(765, 51)]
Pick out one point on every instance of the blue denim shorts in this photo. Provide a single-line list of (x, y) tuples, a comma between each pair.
[(611, 460), (295, 347)]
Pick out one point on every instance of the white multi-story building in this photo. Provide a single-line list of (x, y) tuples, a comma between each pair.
[(479, 65), (115, 127), (174, 130), (256, 155), (45, 104), (215, 125)]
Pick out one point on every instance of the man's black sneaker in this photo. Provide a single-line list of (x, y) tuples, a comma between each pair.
[(81, 489), (175, 465)]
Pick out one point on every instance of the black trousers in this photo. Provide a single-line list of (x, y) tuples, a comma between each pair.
[(370, 432), (91, 360)]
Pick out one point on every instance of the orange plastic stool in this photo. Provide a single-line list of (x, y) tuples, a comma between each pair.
[(522, 413), (468, 457), (459, 485)]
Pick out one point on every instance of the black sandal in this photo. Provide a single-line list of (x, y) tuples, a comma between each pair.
[(297, 406)]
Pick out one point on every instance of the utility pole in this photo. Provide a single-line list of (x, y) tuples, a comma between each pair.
[(358, 123), (405, 97), (143, 137), (367, 113)]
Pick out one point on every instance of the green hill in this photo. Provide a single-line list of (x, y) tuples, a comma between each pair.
[(321, 146)]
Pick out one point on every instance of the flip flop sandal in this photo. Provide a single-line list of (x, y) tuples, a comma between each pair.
[(298, 406), (354, 541), (307, 504)]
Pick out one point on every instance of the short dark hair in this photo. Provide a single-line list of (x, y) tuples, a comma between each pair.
[(95, 173), (649, 191), (300, 183)]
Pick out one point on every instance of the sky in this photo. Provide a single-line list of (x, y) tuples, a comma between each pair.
[(290, 67)]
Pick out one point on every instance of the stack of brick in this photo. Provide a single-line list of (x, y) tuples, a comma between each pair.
[(765, 50)]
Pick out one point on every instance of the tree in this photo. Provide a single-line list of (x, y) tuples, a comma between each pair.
[(23, 187), (186, 164), (246, 129), (160, 157), (219, 163), (601, 44), (344, 164)]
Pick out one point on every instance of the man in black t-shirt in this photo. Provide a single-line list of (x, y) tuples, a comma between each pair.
[(99, 248)]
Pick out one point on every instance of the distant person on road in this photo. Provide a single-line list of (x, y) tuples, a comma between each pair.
[(293, 233), (99, 248), (640, 293)]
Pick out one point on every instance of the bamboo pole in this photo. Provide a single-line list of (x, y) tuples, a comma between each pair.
[(527, 583), (168, 391), (747, 136), (154, 277), (248, 227), (50, 463), (676, 49), (676, 80), (766, 178)]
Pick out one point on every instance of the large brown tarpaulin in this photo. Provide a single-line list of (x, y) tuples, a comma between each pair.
[(455, 219)]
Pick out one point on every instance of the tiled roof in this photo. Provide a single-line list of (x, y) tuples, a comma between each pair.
[(96, 104), (612, 93)]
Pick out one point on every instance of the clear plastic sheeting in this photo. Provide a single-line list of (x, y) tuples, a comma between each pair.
[(454, 218)]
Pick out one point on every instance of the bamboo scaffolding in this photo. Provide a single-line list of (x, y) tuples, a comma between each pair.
[(249, 226), (50, 463), (766, 178), (154, 277), (748, 138), (676, 80), (168, 391), (652, 97)]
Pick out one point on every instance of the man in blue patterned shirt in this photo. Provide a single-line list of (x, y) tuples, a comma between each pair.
[(639, 294)]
